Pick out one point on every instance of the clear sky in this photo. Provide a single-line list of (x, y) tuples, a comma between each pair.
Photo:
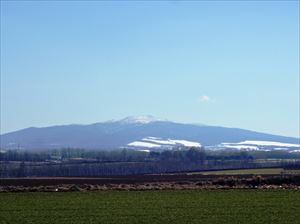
[(227, 63)]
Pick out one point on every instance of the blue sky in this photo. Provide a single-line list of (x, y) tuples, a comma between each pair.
[(233, 63)]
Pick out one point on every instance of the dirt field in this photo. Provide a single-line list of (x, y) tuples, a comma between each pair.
[(151, 182)]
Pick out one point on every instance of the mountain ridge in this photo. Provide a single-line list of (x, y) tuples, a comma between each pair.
[(117, 134)]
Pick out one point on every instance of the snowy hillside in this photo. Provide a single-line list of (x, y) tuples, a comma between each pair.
[(259, 145), (156, 142)]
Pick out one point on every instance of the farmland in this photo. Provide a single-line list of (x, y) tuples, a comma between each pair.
[(265, 178), (261, 171), (175, 206)]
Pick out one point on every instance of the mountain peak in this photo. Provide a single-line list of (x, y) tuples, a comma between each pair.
[(139, 119), (136, 131)]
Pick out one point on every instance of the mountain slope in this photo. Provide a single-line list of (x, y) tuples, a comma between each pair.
[(116, 134)]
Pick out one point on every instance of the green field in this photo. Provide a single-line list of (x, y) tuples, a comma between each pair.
[(185, 206)]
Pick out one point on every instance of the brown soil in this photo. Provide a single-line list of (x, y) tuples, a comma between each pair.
[(149, 182)]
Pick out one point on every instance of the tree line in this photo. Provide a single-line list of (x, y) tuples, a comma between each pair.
[(192, 154), (79, 162)]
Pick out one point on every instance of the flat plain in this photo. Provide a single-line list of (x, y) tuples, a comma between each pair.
[(167, 206), (258, 171)]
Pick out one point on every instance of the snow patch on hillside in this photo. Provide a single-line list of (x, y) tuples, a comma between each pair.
[(240, 147), (161, 142), (268, 143), (155, 142), (187, 143), (259, 145), (143, 144)]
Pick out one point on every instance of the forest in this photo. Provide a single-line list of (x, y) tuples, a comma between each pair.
[(80, 162)]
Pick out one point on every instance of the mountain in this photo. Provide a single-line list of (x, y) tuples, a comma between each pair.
[(136, 132)]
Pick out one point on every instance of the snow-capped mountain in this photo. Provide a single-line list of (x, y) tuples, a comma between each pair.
[(138, 132), (139, 120)]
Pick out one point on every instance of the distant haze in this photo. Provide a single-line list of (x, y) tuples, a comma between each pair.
[(227, 63)]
